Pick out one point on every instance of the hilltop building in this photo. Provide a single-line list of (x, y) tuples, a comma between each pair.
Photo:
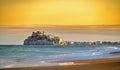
[(39, 38)]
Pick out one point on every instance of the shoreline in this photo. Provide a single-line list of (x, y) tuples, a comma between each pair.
[(117, 52), (91, 61), (87, 64)]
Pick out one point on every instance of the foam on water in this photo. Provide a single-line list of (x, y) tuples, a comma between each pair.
[(22, 56)]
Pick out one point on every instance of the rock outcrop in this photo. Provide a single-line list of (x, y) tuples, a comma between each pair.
[(39, 38)]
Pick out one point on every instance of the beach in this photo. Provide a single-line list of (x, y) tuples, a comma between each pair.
[(49, 57), (87, 64)]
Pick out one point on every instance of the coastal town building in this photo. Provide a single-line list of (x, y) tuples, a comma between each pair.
[(40, 38)]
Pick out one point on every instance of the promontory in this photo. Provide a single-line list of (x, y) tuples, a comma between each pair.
[(40, 38)]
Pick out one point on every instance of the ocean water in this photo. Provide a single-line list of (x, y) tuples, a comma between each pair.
[(40, 55)]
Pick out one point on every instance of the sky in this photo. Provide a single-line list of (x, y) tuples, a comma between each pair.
[(29, 13)]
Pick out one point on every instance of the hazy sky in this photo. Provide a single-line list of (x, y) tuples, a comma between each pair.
[(59, 12), (86, 33)]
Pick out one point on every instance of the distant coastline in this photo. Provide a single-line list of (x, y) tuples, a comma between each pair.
[(66, 26), (39, 38)]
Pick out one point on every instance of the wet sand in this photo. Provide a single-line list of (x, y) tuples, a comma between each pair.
[(89, 64), (118, 52)]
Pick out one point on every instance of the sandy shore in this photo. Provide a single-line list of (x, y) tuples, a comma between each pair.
[(118, 52), (91, 61), (89, 64)]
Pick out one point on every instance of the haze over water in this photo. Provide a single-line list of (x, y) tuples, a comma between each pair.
[(72, 20), (15, 35)]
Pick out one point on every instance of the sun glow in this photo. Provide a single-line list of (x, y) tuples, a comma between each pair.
[(59, 12)]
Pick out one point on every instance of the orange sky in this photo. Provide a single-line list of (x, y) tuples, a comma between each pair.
[(59, 12)]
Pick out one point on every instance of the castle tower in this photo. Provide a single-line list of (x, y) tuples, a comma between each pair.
[(42, 33)]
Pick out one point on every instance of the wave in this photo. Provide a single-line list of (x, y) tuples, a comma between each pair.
[(28, 56)]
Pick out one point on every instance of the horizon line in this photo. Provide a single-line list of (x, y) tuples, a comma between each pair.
[(51, 26)]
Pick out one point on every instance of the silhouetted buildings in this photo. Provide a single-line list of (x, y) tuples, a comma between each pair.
[(93, 43), (39, 38)]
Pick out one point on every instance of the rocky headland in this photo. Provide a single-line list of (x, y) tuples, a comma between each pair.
[(40, 38)]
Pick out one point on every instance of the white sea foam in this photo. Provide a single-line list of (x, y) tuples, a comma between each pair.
[(66, 63), (71, 63), (112, 47), (37, 56), (95, 54), (8, 66)]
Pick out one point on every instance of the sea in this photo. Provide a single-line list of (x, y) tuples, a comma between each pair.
[(12, 56)]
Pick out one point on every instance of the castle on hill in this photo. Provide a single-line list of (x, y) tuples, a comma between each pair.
[(40, 38)]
